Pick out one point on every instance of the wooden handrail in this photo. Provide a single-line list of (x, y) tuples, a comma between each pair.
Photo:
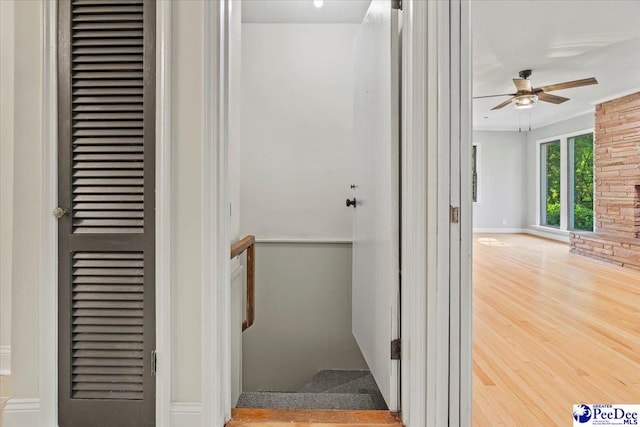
[(248, 244), (241, 245)]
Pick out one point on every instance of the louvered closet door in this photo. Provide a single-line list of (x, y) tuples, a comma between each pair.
[(106, 66)]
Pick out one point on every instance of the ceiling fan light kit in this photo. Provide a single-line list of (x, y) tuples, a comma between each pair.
[(527, 95), (524, 101)]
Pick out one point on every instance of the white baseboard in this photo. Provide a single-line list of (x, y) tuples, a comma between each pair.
[(549, 233), (500, 230), (186, 414), (22, 413), (546, 232), (26, 412), (5, 360)]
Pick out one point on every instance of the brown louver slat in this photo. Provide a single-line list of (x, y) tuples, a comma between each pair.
[(106, 241), (98, 343)]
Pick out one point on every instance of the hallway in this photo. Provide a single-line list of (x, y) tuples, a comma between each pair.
[(551, 330)]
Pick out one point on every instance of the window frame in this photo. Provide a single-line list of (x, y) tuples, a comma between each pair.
[(542, 184), (571, 181), (477, 146), (564, 178)]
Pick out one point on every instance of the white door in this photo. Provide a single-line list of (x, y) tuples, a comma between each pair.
[(376, 255)]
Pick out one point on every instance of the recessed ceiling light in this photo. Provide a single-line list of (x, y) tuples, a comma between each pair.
[(318, 3)]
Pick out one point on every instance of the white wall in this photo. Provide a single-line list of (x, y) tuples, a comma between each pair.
[(235, 114), (507, 176), (296, 162), (6, 179), (576, 124), (297, 130), (501, 166), (303, 316), (186, 141), (27, 208)]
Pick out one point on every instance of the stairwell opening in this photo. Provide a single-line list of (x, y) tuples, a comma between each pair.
[(293, 127)]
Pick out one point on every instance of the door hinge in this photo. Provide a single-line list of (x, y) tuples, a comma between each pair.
[(454, 215), (396, 349), (154, 363), (396, 4)]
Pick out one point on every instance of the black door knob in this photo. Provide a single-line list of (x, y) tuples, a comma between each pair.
[(351, 202)]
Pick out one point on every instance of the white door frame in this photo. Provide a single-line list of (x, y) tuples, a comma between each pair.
[(436, 364)]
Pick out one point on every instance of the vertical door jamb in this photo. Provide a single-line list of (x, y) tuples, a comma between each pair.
[(216, 296), (163, 213), (436, 309), (48, 292), (466, 209)]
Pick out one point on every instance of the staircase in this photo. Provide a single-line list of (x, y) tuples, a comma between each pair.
[(330, 389)]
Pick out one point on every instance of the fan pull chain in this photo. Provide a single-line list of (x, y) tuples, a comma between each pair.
[(519, 121)]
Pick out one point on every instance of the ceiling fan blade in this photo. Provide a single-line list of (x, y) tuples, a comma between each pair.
[(523, 85), (554, 99), (493, 96), (568, 85), (504, 104)]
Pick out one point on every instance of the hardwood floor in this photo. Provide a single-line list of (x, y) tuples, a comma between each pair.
[(312, 418), (550, 329)]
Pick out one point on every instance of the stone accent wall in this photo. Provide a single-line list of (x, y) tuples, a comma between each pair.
[(617, 185), (621, 251)]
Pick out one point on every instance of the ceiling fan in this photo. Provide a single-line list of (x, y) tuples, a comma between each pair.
[(527, 95)]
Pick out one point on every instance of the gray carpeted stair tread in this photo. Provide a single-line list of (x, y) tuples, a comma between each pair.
[(280, 400), (328, 379), (364, 384)]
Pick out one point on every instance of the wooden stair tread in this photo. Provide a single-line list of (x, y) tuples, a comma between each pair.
[(248, 417)]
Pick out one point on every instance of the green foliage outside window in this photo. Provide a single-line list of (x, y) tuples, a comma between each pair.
[(552, 171), (581, 171), (583, 182)]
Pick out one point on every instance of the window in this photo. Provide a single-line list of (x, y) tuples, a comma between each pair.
[(566, 182), (474, 173), (550, 183), (581, 182)]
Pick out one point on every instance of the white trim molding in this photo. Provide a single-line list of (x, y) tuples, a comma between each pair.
[(216, 265), (22, 413), (418, 169), (436, 300), (22, 405), (186, 414), (5, 360), (306, 241), (48, 291), (163, 213), (500, 230), (548, 233)]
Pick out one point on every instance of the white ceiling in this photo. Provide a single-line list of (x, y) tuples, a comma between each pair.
[(559, 41), (303, 11)]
